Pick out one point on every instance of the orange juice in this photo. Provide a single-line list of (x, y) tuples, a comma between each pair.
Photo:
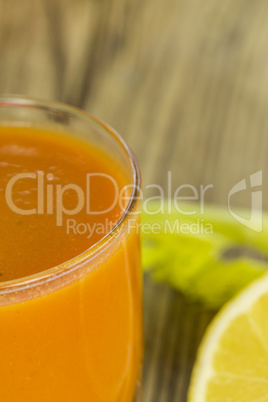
[(70, 291)]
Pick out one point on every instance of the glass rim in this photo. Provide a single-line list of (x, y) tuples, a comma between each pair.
[(100, 246)]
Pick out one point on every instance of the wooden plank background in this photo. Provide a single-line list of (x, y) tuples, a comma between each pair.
[(186, 84)]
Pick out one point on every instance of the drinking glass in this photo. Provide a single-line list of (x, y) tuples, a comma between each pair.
[(74, 332)]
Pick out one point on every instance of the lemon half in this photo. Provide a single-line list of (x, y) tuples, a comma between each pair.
[(232, 362)]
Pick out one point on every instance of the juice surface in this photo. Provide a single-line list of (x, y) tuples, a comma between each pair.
[(34, 243), (80, 341)]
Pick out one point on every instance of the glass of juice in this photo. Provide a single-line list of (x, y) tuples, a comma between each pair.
[(70, 274)]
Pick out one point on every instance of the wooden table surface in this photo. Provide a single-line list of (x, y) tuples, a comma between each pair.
[(185, 82)]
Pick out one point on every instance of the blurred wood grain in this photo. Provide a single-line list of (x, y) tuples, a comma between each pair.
[(185, 82)]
